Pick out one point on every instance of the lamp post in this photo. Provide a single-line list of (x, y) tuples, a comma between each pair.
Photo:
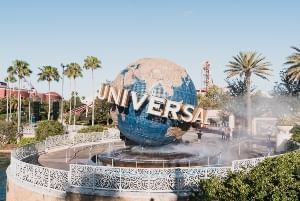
[(62, 93)]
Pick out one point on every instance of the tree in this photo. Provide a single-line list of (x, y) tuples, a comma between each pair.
[(237, 87), (214, 98), (102, 111), (78, 100), (2, 107), (73, 71), (296, 133), (294, 65), (244, 65), (9, 79), (48, 128), (49, 74), (92, 63), (273, 179), (287, 86), (20, 69), (8, 131)]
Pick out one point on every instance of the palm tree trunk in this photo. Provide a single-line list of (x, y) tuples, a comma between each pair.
[(248, 87), (19, 108), (93, 106), (62, 100), (74, 118), (70, 103), (29, 107), (7, 102), (49, 101)]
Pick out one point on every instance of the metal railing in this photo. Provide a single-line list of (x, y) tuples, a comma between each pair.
[(89, 178)]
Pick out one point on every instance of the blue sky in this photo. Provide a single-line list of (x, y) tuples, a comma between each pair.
[(122, 31)]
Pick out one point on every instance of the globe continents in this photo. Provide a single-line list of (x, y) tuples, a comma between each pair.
[(160, 78)]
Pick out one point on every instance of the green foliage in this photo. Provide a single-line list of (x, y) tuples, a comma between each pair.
[(73, 70), (273, 179), (66, 118), (78, 101), (3, 106), (237, 87), (90, 129), (26, 140), (293, 61), (102, 112), (214, 98), (8, 132), (247, 63), (296, 133), (48, 73), (48, 128), (2, 117), (91, 62), (285, 120), (287, 86)]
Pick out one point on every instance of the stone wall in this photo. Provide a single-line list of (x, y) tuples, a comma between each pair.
[(16, 192)]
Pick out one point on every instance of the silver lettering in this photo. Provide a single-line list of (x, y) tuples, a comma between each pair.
[(172, 107), (154, 105), (137, 103), (187, 114), (103, 93), (113, 96)]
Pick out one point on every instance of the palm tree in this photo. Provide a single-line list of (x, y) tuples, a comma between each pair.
[(92, 63), (68, 73), (294, 65), (244, 65), (20, 69), (49, 74), (9, 79), (14, 104), (12, 79), (73, 71)]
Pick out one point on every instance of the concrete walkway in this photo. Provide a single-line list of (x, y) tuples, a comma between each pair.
[(210, 144), (61, 159)]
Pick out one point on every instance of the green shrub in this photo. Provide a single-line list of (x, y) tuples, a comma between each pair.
[(296, 133), (48, 128), (82, 122), (285, 120), (275, 178), (26, 140), (89, 129), (8, 132)]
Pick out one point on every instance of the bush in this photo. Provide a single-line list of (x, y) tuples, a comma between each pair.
[(296, 133), (48, 128), (89, 129), (8, 132), (275, 178), (285, 120), (26, 140)]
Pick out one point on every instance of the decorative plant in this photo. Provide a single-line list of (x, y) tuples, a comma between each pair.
[(285, 120), (48, 128), (296, 133), (90, 129)]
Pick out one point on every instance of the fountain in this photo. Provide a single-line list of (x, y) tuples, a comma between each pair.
[(153, 111), (148, 157)]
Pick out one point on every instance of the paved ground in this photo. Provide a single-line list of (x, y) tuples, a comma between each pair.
[(79, 155)]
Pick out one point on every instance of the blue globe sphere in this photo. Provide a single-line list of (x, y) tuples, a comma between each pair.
[(160, 78)]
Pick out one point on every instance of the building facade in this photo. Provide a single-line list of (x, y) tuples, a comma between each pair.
[(25, 93)]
